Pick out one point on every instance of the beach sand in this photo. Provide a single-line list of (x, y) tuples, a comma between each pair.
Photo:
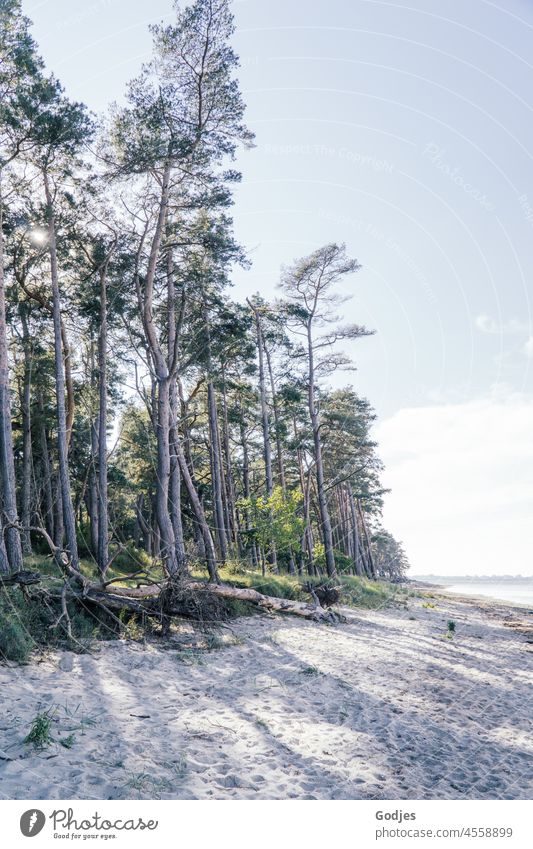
[(381, 707)]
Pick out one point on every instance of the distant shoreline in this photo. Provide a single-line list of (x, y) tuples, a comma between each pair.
[(490, 600), (473, 579)]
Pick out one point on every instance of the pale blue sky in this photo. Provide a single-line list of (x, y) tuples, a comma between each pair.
[(405, 131)]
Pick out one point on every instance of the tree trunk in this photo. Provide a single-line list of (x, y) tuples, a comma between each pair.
[(175, 482), (59, 524), (4, 562), (62, 445), (69, 384), (175, 476), (307, 536), (161, 382), (246, 487), (280, 605), (25, 500), (216, 474), (279, 447), (103, 521), (166, 530), (198, 532), (317, 441), (196, 504), (368, 547), (46, 471), (265, 424), (277, 422), (92, 489), (355, 536), (7, 464), (230, 484)]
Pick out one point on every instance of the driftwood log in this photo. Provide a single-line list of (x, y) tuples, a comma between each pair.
[(132, 599), (167, 599)]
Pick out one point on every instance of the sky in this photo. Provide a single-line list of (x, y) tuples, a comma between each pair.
[(403, 130)]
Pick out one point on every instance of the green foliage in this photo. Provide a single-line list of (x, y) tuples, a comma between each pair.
[(355, 591), (343, 563), (275, 519), (131, 559), (40, 734), (361, 592), (15, 642), (26, 624)]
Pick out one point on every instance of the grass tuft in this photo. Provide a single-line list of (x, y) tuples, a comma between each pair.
[(40, 734)]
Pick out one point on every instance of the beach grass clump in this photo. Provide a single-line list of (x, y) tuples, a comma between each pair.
[(189, 657), (40, 733), (179, 766), (83, 720), (450, 630), (310, 671), (139, 781), (213, 641)]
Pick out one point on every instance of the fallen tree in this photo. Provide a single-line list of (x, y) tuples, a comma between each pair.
[(167, 598), (173, 599)]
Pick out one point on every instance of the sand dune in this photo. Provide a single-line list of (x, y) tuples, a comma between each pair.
[(382, 707)]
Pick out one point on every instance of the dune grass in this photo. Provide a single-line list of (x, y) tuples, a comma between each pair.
[(355, 591)]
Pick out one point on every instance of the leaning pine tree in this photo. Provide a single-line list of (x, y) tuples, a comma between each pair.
[(309, 286)]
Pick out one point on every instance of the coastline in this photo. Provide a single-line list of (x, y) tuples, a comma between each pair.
[(441, 590), (385, 706)]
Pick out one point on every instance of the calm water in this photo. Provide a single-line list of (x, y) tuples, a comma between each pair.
[(517, 593)]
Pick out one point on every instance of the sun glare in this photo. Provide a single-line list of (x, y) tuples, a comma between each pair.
[(38, 236)]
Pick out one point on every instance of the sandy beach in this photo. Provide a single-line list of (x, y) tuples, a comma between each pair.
[(384, 706)]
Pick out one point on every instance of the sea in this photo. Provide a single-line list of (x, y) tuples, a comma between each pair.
[(514, 592)]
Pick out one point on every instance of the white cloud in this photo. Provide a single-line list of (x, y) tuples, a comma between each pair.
[(487, 324), (461, 478), (528, 347)]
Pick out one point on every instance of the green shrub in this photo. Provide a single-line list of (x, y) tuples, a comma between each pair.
[(25, 625), (15, 642), (132, 559)]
